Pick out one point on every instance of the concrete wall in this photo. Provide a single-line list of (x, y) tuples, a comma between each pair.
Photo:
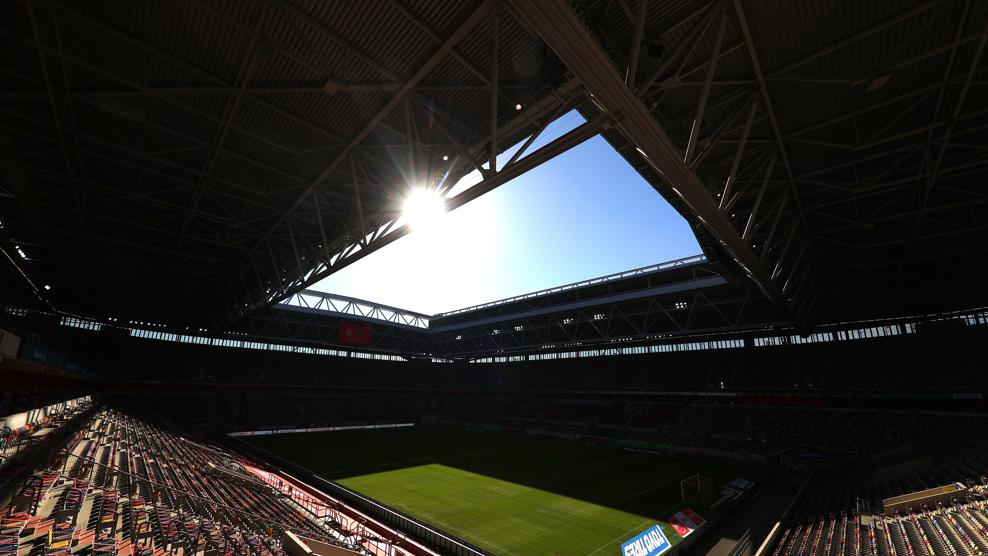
[(295, 545)]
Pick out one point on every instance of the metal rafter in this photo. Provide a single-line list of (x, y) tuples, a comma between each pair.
[(887, 167), (475, 18), (559, 26), (387, 230)]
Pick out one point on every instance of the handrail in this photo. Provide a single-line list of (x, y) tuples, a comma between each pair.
[(378, 311), (391, 517), (693, 259), (773, 534)]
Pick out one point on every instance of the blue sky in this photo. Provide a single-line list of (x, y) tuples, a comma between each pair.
[(584, 214)]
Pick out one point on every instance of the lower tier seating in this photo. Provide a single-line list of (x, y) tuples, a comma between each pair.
[(121, 485)]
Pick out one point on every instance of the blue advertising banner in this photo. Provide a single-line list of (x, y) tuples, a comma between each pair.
[(651, 542), (37, 353)]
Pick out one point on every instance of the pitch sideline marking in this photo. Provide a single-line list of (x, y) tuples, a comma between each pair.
[(621, 536), (649, 489), (403, 461), (647, 520), (449, 527)]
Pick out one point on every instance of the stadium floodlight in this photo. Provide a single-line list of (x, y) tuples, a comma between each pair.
[(423, 207)]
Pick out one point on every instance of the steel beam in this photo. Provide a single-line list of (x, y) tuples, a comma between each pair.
[(705, 92), (563, 31), (495, 51), (388, 233), (732, 176), (636, 42), (397, 99), (958, 107), (773, 120)]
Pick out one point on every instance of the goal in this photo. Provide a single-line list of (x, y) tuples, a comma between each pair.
[(697, 489)]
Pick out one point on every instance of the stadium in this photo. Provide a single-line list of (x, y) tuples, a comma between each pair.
[(477, 277)]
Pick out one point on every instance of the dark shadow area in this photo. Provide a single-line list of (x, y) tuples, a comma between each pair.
[(637, 483)]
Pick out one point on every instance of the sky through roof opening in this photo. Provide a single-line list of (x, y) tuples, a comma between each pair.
[(584, 214)]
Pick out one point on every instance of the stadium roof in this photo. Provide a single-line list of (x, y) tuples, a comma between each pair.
[(683, 297), (583, 214), (197, 161)]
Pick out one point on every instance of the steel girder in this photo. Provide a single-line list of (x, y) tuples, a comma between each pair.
[(386, 229), (562, 29), (839, 175), (310, 263), (351, 307), (321, 329), (213, 186), (658, 305), (692, 310)]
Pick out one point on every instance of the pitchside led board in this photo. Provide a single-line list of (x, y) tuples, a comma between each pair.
[(651, 542)]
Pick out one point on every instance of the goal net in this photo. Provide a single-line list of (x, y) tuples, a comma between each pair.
[(697, 489)]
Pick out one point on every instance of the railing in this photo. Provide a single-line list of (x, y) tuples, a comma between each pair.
[(833, 332), (341, 304), (279, 430), (773, 535), (428, 535), (744, 546), (695, 259)]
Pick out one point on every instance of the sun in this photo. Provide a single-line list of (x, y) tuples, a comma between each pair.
[(423, 208)]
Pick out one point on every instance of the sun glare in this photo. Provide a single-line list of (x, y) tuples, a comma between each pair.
[(423, 208), (567, 220)]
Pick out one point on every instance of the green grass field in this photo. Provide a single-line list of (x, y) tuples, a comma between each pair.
[(509, 494)]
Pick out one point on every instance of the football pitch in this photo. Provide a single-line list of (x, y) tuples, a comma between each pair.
[(509, 494)]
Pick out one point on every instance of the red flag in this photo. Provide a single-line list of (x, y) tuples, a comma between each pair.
[(681, 529), (355, 334)]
